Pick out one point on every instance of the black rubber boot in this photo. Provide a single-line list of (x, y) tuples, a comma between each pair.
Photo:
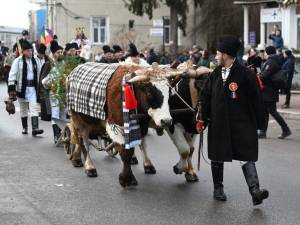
[(217, 174), (250, 173), (56, 132), (24, 125), (285, 133), (262, 134), (35, 126)]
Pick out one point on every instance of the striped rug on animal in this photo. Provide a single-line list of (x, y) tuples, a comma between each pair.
[(86, 88), (132, 131)]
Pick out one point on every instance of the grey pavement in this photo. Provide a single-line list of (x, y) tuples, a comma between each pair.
[(39, 186), (294, 111)]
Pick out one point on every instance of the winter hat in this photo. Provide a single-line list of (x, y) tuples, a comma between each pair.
[(54, 47), (41, 48), (270, 50), (288, 52), (117, 48), (25, 32), (75, 45), (229, 45), (69, 46), (26, 45), (133, 50), (106, 49)]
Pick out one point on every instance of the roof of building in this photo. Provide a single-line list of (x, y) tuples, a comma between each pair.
[(254, 2), (6, 29)]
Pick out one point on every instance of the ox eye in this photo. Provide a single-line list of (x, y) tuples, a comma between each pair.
[(148, 94)]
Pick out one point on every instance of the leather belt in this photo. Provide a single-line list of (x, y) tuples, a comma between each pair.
[(30, 83)]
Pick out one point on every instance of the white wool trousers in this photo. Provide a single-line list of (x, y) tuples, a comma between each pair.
[(30, 108)]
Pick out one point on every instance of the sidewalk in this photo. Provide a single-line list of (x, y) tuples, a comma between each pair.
[(294, 111)]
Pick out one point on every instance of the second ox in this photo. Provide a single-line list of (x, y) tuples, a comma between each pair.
[(182, 132)]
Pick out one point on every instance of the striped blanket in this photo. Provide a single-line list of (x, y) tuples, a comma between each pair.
[(86, 91), (132, 131)]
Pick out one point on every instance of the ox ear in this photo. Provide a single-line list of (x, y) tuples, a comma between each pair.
[(139, 78)]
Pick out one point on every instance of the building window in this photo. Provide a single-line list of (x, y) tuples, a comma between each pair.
[(99, 30), (167, 31)]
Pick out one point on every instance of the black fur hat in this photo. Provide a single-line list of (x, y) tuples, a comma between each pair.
[(25, 32), (117, 48), (55, 47), (69, 46), (75, 45), (41, 48), (106, 49), (270, 50), (229, 45), (25, 45), (133, 50)]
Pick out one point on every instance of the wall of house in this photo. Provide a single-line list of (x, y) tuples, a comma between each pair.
[(65, 18)]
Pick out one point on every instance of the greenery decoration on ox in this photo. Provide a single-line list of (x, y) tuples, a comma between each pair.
[(58, 84)]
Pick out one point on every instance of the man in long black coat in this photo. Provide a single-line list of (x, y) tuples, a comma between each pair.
[(232, 108)]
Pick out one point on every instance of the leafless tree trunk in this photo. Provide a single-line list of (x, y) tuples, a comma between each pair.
[(174, 33)]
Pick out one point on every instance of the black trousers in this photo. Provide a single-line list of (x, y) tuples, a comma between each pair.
[(271, 108), (288, 96)]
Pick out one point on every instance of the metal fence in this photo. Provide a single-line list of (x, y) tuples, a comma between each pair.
[(296, 79)]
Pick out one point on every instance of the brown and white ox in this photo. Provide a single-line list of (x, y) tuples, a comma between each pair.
[(182, 132), (152, 92)]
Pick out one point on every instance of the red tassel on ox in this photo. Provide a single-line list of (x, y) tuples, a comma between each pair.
[(130, 100)]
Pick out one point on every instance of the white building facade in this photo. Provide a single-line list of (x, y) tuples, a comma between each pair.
[(287, 18)]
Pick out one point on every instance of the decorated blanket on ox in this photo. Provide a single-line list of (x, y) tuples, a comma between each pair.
[(86, 88)]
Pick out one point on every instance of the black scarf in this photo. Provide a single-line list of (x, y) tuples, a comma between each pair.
[(24, 76)]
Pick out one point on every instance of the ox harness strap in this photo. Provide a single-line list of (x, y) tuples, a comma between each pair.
[(198, 117), (132, 131)]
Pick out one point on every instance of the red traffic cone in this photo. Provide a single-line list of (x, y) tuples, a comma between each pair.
[(130, 100)]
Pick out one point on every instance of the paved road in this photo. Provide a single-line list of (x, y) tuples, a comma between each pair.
[(39, 186)]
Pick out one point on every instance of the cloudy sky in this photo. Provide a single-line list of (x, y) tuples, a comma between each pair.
[(14, 13)]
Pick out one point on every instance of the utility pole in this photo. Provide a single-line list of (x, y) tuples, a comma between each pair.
[(163, 35), (47, 10)]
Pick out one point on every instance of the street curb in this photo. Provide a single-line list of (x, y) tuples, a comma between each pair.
[(289, 115), (295, 92)]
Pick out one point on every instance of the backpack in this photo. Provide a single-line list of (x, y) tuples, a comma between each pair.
[(279, 79)]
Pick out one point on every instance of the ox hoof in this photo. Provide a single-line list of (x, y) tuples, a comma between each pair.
[(177, 170), (134, 161), (77, 163), (91, 172), (191, 178), (127, 181), (149, 169)]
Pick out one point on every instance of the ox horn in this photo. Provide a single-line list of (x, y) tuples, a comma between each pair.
[(139, 78), (199, 72), (174, 73), (203, 70)]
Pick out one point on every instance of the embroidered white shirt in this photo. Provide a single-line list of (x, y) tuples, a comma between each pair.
[(30, 93)]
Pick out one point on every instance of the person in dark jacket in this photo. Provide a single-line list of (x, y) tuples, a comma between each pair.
[(118, 53), (276, 39), (289, 66), (253, 61), (108, 56), (152, 57), (204, 60), (271, 93), (232, 108)]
